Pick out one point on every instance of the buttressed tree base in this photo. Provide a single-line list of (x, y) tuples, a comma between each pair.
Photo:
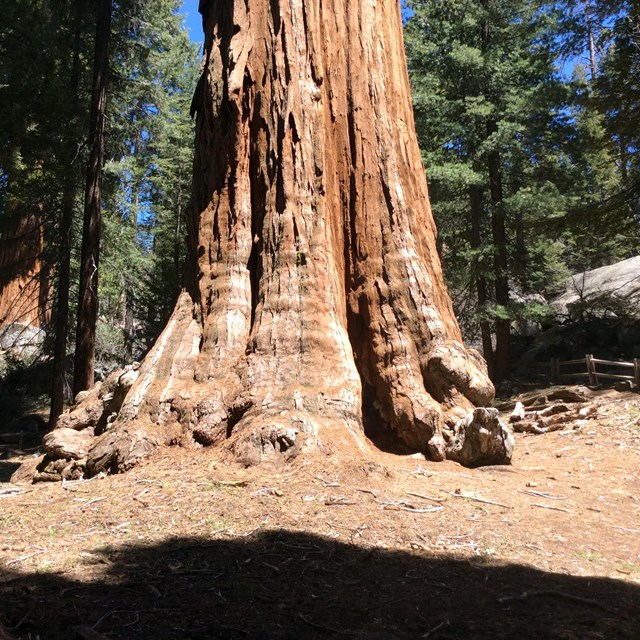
[(314, 308)]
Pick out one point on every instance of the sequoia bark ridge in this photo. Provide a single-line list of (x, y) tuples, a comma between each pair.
[(314, 305)]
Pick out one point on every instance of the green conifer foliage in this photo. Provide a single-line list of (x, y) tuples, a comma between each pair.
[(488, 104), (150, 146)]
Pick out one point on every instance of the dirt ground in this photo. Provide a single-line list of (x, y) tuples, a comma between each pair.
[(186, 546)]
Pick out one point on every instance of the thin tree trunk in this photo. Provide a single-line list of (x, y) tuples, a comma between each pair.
[(128, 284), (177, 240), (498, 228), (475, 208), (624, 159), (314, 298), (62, 306), (593, 64), (61, 326), (92, 227), (520, 258), (501, 364)]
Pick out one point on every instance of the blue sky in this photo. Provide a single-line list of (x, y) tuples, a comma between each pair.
[(193, 20)]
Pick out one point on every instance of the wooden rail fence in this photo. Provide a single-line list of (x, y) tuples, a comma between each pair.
[(558, 370)]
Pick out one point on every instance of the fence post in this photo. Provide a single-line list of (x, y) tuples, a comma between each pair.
[(636, 372), (591, 370), (555, 370)]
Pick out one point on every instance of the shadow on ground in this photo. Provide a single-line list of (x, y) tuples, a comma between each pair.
[(7, 469), (285, 585)]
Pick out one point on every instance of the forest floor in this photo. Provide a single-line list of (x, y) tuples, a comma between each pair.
[(186, 546)]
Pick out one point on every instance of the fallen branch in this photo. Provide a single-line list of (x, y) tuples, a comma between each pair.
[(23, 558), (420, 495), (328, 483), (68, 485), (541, 494), (556, 594), (475, 499), (90, 502), (548, 506), (367, 491), (324, 628), (443, 624), (13, 491), (23, 619), (87, 633), (333, 501), (393, 505), (625, 529), (230, 483)]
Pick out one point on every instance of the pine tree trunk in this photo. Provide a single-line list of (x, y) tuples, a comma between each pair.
[(593, 64), (92, 227), (314, 307), (61, 327), (503, 325), (61, 322), (475, 209)]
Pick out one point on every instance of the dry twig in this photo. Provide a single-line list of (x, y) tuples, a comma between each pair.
[(548, 506), (324, 628), (420, 495), (394, 505), (443, 624), (626, 529), (475, 499), (87, 633), (557, 594), (333, 501), (13, 491), (23, 558), (541, 494)]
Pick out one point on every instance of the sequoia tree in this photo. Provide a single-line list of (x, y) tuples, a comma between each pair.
[(314, 306)]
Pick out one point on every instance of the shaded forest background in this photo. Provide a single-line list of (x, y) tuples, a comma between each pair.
[(527, 115)]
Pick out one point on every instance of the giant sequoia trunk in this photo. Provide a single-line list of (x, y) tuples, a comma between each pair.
[(314, 305), (23, 285)]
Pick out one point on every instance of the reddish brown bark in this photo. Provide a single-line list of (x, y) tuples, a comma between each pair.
[(314, 302), (92, 225), (23, 288)]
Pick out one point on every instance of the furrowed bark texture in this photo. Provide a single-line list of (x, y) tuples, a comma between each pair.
[(23, 288), (315, 306)]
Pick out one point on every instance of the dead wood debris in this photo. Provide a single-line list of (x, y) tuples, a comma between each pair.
[(403, 505), (540, 414)]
